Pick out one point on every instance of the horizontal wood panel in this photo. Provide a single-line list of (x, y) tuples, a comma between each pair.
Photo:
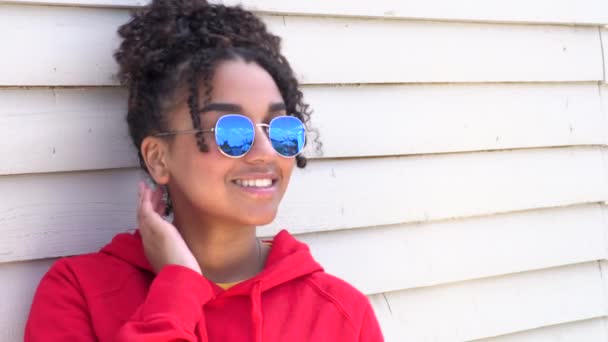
[(496, 306), (397, 51), (64, 214), (75, 47), (81, 3), (603, 264), (380, 191), (546, 11), (604, 100), (604, 36), (592, 330), (18, 285), (60, 127), (418, 255), (64, 130), (416, 119), (68, 213), (66, 46)]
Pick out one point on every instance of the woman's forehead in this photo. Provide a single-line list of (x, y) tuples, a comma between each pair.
[(237, 87), (238, 80)]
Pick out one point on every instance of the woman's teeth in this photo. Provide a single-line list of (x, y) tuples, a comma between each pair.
[(254, 183)]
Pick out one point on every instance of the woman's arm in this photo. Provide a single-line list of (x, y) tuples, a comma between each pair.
[(370, 329), (59, 312), (171, 311)]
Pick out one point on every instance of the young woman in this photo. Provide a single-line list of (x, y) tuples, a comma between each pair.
[(219, 123)]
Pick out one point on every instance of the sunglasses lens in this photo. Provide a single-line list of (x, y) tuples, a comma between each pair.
[(234, 135), (287, 135)]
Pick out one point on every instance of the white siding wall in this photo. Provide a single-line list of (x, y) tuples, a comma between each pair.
[(464, 177)]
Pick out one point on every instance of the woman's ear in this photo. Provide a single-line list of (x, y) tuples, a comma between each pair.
[(155, 153)]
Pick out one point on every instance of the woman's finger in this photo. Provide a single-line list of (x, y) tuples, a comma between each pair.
[(146, 209), (146, 203), (150, 220), (146, 225)]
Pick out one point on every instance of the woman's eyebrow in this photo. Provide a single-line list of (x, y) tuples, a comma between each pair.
[(235, 108), (222, 107), (277, 107)]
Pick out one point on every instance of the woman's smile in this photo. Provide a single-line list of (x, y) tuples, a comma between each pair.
[(262, 188), (259, 185)]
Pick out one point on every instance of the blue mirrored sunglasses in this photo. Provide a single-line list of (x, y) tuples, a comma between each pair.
[(235, 133)]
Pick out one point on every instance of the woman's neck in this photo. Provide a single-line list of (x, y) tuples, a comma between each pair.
[(225, 252)]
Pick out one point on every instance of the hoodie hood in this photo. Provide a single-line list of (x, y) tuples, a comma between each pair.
[(288, 259)]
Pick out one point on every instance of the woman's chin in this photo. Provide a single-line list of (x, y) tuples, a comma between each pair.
[(258, 218)]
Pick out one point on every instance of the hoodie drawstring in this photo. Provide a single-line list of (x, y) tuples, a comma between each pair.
[(256, 311)]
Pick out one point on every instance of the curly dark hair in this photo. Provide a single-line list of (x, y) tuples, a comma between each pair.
[(170, 45)]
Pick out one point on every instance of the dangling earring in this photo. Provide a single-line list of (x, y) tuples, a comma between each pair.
[(168, 204)]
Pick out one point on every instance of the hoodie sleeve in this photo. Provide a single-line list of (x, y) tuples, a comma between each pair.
[(173, 309), (370, 329)]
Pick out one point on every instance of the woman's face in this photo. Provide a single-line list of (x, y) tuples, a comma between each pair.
[(214, 185)]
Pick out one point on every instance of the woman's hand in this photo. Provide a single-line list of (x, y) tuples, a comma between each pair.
[(162, 242)]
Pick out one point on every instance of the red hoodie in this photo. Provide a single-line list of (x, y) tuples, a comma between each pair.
[(114, 295)]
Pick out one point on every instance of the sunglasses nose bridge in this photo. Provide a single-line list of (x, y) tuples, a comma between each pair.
[(262, 147), (264, 127)]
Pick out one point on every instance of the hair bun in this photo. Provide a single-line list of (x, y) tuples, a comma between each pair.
[(150, 38)]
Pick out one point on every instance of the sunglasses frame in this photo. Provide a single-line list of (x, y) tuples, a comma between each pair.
[(214, 130)]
